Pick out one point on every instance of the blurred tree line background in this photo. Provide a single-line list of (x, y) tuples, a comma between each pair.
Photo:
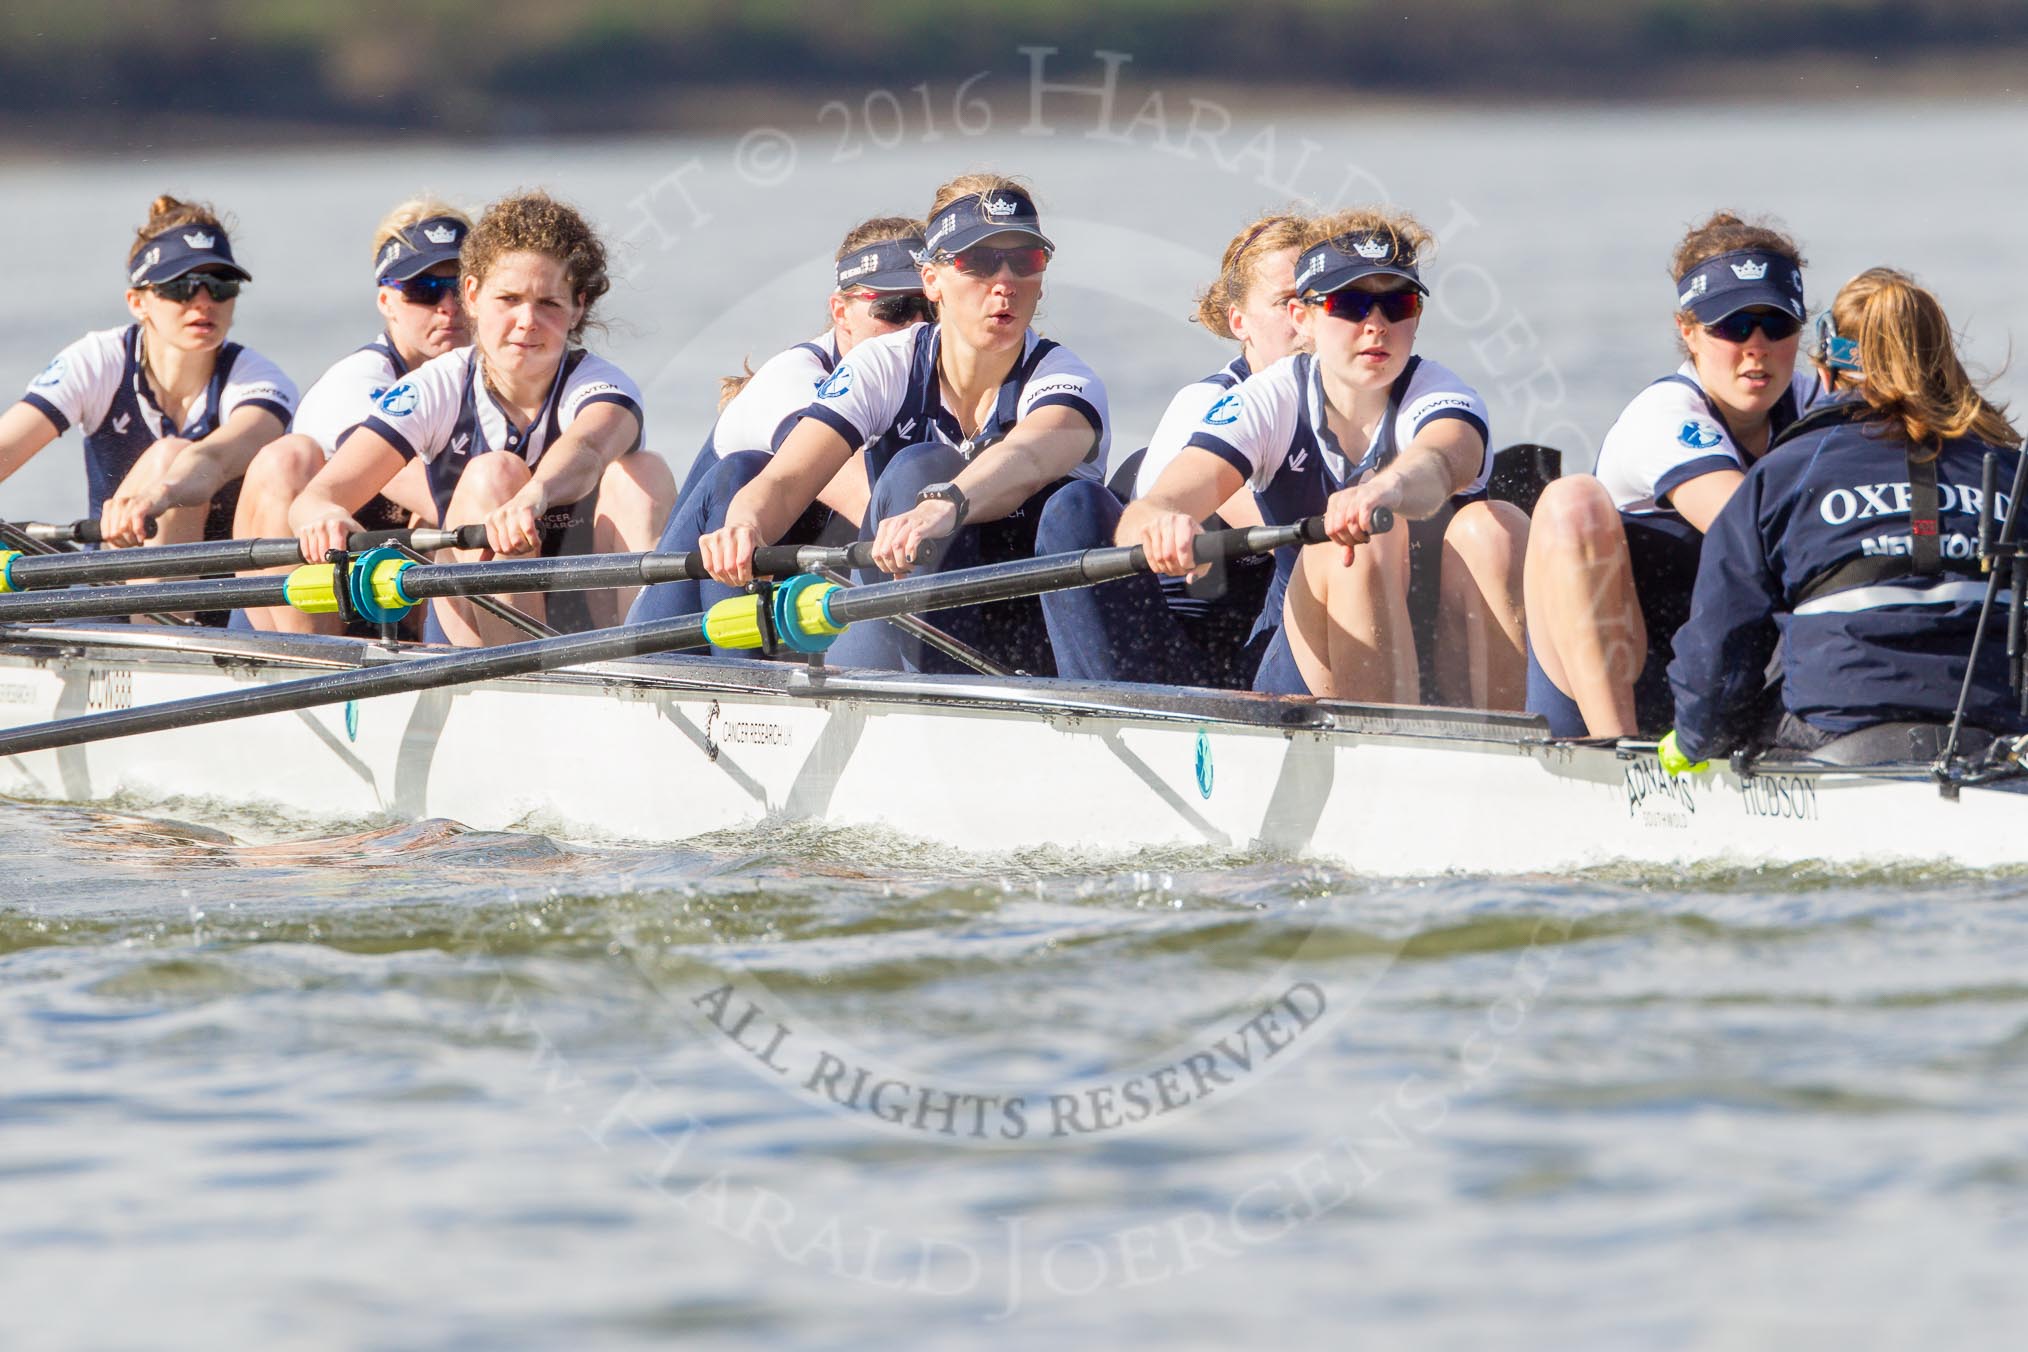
[(479, 67)]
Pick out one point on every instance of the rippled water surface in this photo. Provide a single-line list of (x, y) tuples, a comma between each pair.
[(435, 1087), (401, 1084)]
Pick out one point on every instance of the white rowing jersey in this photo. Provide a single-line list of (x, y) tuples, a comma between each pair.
[(885, 395), (345, 394), (773, 400), (1672, 433), (444, 415), (98, 385), (1272, 428), (1268, 425), (1182, 420)]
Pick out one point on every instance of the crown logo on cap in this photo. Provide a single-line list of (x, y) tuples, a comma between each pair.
[(200, 240), (1373, 248), (1749, 272), (440, 234), (999, 206)]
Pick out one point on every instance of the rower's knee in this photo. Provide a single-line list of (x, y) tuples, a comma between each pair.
[(715, 492), (636, 493), (912, 469), (1575, 515), (1484, 550), (1493, 534), (1083, 514), (641, 476), (284, 466), (490, 479), (151, 464)]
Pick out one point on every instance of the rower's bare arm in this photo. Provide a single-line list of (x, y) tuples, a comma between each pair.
[(322, 516), (810, 459), (1241, 510), (349, 479), (1168, 518), (1698, 499), (203, 467), (1040, 449), (572, 466), (570, 469), (24, 430), (1444, 457), (847, 493)]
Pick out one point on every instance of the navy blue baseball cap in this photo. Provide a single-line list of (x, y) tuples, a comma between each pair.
[(978, 216), (185, 248), (420, 247), (884, 265), (1740, 280), (1338, 262)]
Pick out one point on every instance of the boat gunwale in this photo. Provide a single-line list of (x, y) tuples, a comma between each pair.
[(1435, 726)]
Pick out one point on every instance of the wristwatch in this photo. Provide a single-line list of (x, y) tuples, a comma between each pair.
[(951, 493)]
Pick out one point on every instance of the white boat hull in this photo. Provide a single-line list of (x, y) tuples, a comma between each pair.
[(665, 750)]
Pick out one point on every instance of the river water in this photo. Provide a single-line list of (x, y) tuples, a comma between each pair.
[(399, 1083)]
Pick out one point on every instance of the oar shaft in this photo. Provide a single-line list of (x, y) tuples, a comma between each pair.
[(478, 664), (211, 556), (421, 582), (208, 593), (581, 572), (973, 586)]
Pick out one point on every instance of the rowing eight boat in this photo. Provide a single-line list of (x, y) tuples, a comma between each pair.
[(662, 749)]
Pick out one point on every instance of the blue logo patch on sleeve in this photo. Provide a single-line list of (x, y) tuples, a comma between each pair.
[(400, 401), (1699, 435), (52, 376), (837, 384), (1223, 412)]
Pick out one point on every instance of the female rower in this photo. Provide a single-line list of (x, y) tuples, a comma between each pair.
[(524, 431), (1355, 423), (1162, 629), (415, 266), (171, 410), (879, 291), (1852, 548), (969, 425), (1611, 558)]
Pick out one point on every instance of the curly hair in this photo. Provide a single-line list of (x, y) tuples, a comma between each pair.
[(535, 222)]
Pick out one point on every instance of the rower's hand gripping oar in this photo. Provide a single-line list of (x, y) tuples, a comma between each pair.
[(805, 612), (84, 531)]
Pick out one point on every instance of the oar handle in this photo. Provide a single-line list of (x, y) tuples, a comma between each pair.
[(423, 541), (84, 531), (1214, 545), (788, 560)]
